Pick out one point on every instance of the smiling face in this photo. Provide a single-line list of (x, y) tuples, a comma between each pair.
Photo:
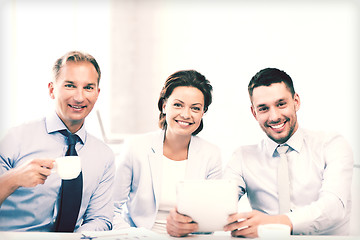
[(75, 92), (275, 109), (184, 109)]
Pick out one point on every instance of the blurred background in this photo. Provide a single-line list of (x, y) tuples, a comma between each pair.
[(139, 43)]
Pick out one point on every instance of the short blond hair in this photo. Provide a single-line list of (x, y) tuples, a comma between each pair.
[(75, 56)]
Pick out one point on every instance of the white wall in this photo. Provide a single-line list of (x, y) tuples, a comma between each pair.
[(34, 33), (315, 42)]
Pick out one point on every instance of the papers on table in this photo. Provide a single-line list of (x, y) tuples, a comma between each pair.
[(122, 234)]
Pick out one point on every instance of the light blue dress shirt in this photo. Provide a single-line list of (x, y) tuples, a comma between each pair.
[(35, 209), (320, 172)]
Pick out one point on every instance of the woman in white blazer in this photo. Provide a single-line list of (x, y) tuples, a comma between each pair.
[(152, 164)]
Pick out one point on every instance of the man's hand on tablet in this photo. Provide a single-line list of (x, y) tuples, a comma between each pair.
[(246, 224)]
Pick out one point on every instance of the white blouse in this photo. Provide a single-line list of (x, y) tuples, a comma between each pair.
[(172, 173)]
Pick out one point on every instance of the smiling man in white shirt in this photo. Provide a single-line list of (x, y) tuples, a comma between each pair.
[(319, 167)]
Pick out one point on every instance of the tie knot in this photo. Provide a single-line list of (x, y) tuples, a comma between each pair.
[(72, 139), (282, 149)]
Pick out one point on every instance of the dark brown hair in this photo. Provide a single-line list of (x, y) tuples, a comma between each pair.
[(190, 78), (268, 76)]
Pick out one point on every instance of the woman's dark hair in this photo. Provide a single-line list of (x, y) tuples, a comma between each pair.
[(186, 78)]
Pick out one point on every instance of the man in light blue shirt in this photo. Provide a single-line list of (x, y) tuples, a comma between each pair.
[(319, 171), (30, 192)]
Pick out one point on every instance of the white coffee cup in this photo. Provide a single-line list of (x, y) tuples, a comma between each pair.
[(274, 231), (68, 167)]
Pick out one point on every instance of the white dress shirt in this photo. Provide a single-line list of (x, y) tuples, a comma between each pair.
[(320, 172)]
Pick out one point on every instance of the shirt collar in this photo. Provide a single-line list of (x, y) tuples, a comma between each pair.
[(295, 142), (54, 124)]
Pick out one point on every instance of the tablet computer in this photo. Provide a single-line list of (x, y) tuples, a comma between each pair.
[(208, 202)]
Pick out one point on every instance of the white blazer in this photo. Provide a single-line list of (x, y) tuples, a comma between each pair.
[(138, 177)]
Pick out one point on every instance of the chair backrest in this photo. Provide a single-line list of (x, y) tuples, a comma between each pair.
[(108, 140)]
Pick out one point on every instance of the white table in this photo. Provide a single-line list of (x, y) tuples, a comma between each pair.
[(141, 234)]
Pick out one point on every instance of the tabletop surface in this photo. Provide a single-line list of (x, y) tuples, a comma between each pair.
[(139, 233)]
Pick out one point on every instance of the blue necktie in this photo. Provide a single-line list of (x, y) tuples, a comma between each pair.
[(71, 192)]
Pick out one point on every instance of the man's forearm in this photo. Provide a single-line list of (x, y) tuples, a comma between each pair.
[(8, 186)]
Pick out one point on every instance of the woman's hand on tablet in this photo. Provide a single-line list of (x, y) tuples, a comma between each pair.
[(179, 225)]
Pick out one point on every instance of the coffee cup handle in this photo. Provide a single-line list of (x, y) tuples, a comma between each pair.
[(54, 169)]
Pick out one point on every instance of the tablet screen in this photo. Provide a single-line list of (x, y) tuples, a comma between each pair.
[(208, 202)]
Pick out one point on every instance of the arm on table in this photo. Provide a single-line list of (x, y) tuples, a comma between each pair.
[(246, 224)]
